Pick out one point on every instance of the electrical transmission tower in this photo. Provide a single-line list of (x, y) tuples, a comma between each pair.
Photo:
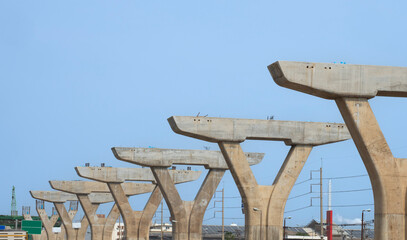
[(13, 203)]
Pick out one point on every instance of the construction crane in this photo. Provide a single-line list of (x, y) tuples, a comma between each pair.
[(13, 203)]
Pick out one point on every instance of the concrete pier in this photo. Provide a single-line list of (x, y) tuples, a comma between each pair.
[(187, 216), (137, 223), (101, 227), (351, 86), (58, 199), (48, 223), (263, 205)]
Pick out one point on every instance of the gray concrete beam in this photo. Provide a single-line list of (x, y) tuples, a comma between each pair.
[(331, 81), (158, 157), (87, 187), (79, 187), (53, 196), (119, 175), (238, 130)]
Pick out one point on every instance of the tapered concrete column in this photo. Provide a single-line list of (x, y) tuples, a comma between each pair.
[(58, 199), (81, 232), (83, 192), (96, 223), (263, 205), (48, 223), (137, 223), (110, 222), (187, 216), (351, 86)]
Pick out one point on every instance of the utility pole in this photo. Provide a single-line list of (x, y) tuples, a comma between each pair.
[(363, 229), (223, 211), (320, 203), (321, 209), (162, 233)]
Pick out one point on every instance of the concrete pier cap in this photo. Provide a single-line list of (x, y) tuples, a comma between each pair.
[(88, 187), (62, 197), (238, 130), (53, 196), (119, 175), (158, 157), (331, 81)]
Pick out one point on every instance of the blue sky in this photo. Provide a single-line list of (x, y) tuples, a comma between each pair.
[(78, 78)]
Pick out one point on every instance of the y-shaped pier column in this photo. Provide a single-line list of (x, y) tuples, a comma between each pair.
[(351, 86), (264, 205), (187, 216), (137, 223), (58, 199), (48, 223), (83, 189)]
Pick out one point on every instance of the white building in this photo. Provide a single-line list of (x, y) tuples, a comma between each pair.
[(118, 231)]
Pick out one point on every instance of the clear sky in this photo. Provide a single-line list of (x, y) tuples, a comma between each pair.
[(81, 77)]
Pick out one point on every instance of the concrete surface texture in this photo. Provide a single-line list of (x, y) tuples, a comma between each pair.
[(351, 86), (48, 224), (101, 228), (58, 199), (120, 175), (53, 196), (263, 205), (331, 81), (137, 222), (158, 157), (187, 216), (238, 130), (89, 187)]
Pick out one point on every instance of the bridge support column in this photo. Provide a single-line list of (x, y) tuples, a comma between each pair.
[(388, 174)]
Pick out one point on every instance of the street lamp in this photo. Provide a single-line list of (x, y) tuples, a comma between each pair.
[(261, 219), (285, 227), (361, 233)]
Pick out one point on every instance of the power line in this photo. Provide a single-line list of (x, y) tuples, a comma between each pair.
[(353, 190), (354, 176), (332, 178), (337, 206), (303, 181), (298, 209), (340, 191), (300, 195), (355, 205)]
